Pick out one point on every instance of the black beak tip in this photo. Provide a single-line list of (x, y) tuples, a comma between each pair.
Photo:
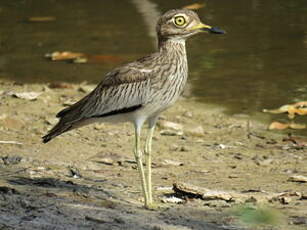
[(216, 30)]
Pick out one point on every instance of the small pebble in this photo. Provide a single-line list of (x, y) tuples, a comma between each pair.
[(188, 114)]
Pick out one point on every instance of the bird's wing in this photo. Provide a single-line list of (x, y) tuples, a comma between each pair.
[(122, 90)]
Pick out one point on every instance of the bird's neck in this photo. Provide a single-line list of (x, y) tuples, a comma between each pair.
[(175, 46)]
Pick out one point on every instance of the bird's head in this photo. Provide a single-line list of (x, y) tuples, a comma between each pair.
[(181, 24)]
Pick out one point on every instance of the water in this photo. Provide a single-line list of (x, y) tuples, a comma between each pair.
[(260, 62)]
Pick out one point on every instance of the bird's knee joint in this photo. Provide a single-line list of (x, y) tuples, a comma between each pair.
[(147, 151), (138, 156)]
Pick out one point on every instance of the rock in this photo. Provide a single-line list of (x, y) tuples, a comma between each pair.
[(108, 158), (299, 220), (92, 166), (284, 197), (170, 125), (31, 96), (3, 116), (251, 199), (217, 195), (11, 160), (238, 156), (107, 161), (178, 118), (172, 199), (8, 190), (188, 114), (164, 188), (119, 220), (97, 220), (162, 118), (196, 131), (51, 120), (99, 126), (203, 193), (264, 162), (199, 141), (195, 192), (168, 132), (205, 171), (174, 147), (85, 88), (298, 178), (217, 204), (184, 149), (168, 227), (74, 172), (220, 146), (285, 200), (68, 102), (171, 163)]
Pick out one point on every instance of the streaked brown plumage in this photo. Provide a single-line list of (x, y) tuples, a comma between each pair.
[(141, 90)]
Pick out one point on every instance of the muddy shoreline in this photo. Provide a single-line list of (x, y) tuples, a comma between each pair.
[(86, 179)]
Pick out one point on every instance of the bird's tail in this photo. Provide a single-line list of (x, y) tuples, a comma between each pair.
[(70, 118), (57, 130)]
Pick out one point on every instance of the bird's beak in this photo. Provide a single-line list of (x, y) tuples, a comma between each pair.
[(204, 27)]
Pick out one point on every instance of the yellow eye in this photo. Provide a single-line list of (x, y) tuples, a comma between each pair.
[(179, 21)]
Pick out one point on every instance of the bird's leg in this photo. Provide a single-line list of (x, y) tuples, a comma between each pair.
[(138, 158), (147, 152)]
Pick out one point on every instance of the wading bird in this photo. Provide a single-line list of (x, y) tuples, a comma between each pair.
[(139, 91)]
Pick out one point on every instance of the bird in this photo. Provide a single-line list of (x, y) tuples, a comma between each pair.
[(139, 91)]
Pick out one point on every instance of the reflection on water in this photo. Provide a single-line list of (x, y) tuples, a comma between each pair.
[(260, 63), (262, 60)]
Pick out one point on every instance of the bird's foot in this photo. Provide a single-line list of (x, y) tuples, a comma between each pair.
[(153, 206)]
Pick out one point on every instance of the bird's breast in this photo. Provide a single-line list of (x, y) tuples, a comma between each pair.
[(169, 86)]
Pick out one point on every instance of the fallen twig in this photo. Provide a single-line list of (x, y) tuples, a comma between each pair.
[(11, 142), (251, 195)]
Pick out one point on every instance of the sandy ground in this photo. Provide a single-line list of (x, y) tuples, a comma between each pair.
[(87, 178)]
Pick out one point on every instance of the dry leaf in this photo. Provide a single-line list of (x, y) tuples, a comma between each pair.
[(297, 126), (41, 19), (282, 126), (60, 85), (299, 108), (278, 125), (195, 6), (80, 60), (301, 104), (66, 55), (83, 58), (282, 109)]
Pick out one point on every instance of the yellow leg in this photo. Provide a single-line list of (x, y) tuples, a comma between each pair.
[(148, 162), (138, 158)]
